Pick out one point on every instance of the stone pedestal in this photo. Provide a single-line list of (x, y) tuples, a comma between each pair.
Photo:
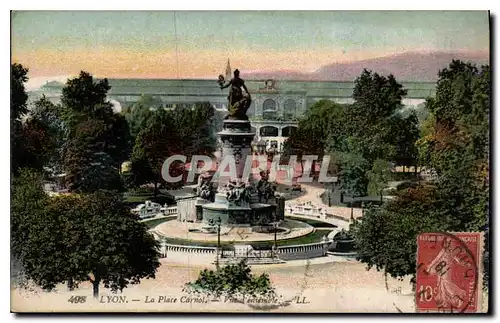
[(186, 211), (236, 137), (236, 202)]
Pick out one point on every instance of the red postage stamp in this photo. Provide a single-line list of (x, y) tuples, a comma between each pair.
[(449, 272)]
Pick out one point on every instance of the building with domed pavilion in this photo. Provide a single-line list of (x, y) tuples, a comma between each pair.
[(276, 104)]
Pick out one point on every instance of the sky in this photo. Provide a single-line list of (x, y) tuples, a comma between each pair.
[(191, 44)]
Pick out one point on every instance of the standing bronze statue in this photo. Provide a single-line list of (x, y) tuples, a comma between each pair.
[(239, 102)]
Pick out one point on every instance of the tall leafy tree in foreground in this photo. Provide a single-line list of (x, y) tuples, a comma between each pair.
[(78, 238), (456, 146)]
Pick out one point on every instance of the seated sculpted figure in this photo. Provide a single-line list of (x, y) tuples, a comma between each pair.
[(236, 192), (205, 189)]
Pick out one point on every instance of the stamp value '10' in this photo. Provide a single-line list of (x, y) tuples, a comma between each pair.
[(449, 272)]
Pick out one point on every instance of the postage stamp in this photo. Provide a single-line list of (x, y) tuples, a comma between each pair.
[(249, 161), (449, 272)]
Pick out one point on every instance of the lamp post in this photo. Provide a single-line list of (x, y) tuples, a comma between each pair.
[(352, 210), (330, 191), (275, 226), (218, 223), (218, 240)]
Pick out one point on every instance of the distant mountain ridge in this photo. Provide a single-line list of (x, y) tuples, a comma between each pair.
[(409, 66)]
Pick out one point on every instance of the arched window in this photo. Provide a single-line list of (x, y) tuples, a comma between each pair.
[(268, 131), (290, 109), (269, 109), (287, 131)]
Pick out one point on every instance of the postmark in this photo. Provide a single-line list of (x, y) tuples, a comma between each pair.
[(449, 272)]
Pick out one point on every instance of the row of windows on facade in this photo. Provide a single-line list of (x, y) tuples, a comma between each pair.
[(269, 108), (270, 131)]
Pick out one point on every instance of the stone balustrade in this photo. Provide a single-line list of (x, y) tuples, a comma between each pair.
[(171, 210), (189, 249), (305, 251), (293, 252)]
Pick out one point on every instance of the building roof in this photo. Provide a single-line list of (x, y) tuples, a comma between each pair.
[(210, 88), (207, 87)]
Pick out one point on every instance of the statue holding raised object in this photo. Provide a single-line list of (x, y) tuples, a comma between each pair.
[(239, 102)]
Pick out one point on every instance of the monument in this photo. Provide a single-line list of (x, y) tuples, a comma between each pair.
[(239, 200)]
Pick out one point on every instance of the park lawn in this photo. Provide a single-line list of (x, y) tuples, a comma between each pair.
[(151, 223), (312, 222)]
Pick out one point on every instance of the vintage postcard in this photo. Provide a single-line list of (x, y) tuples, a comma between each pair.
[(250, 161)]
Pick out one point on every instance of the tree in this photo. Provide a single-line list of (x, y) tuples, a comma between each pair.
[(376, 99), (321, 121), (28, 201), (455, 144), (50, 116), (139, 114), (18, 95), (405, 134), (353, 174), (154, 144), (373, 115), (33, 141), (182, 131), (232, 281), (386, 237), (98, 139), (378, 177), (88, 163), (196, 129), (77, 238), (18, 108)]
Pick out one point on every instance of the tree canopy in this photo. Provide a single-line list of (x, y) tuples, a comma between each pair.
[(89, 236), (77, 238), (98, 139), (233, 280), (169, 132), (455, 143), (373, 128)]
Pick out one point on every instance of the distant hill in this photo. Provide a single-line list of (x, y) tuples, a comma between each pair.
[(410, 66)]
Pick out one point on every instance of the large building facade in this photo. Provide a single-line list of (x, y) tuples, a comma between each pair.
[(276, 104)]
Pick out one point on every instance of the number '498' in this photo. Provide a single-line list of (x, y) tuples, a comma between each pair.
[(77, 299)]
